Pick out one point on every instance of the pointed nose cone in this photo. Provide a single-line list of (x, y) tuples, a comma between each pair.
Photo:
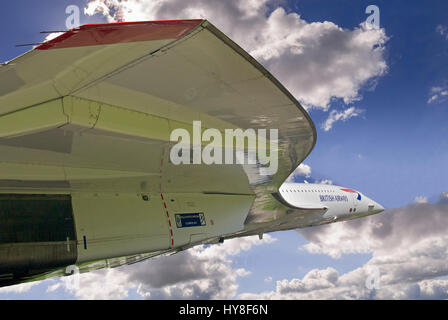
[(375, 207)]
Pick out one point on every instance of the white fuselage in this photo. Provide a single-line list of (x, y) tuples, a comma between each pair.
[(340, 203)]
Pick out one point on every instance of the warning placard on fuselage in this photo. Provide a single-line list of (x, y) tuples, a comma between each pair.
[(184, 220)]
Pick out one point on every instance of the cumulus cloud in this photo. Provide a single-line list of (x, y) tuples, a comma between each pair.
[(303, 170), (317, 62), (199, 273), (203, 272), (336, 116), (394, 229), (313, 280), (409, 248), (18, 288)]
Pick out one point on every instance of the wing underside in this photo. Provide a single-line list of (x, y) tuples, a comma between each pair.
[(72, 110), (93, 110)]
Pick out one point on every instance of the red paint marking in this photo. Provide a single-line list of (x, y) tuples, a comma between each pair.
[(349, 190), (212, 222), (121, 32), (169, 221)]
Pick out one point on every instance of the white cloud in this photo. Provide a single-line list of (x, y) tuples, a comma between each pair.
[(104, 284), (442, 30), (409, 248), (432, 98), (199, 273), (303, 170), (18, 288), (54, 287), (313, 280), (317, 61), (320, 284), (438, 94), (341, 116), (421, 199), (325, 181)]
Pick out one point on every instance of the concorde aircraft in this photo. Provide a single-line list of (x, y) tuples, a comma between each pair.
[(86, 177)]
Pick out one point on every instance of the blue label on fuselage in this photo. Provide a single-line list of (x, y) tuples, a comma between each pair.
[(190, 220)]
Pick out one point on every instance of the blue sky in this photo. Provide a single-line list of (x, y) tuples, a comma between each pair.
[(400, 138), (394, 151)]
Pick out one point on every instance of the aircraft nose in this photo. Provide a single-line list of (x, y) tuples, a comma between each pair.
[(375, 207)]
